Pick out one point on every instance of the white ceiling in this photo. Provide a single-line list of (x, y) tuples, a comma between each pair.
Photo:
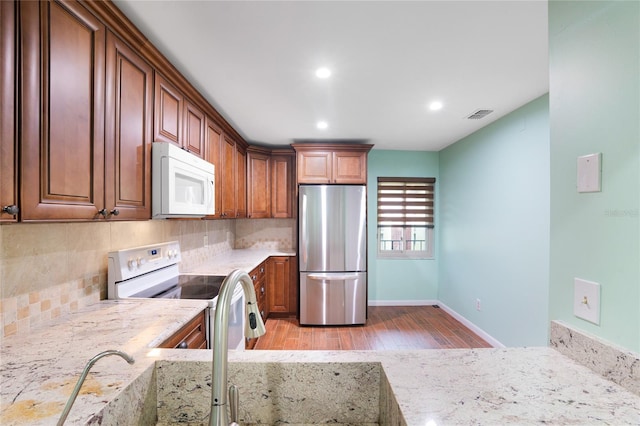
[(255, 62)]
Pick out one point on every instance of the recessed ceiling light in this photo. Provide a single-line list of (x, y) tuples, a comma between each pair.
[(322, 125), (435, 105), (323, 72)]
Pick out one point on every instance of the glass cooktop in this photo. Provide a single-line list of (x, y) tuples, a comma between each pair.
[(199, 287)]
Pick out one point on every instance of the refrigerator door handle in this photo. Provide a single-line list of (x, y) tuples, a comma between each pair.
[(333, 276)]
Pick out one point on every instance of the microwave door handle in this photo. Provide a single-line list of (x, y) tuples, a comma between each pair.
[(210, 192)]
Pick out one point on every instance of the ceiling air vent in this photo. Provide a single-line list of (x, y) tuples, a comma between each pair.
[(481, 113)]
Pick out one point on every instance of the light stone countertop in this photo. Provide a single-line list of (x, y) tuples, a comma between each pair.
[(244, 259), (480, 386), (432, 387)]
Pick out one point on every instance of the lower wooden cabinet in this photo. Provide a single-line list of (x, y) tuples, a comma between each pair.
[(191, 336), (276, 284), (281, 285)]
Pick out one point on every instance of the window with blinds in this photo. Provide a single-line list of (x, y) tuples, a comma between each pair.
[(405, 217)]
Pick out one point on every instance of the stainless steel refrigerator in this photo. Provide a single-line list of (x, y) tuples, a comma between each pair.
[(332, 241)]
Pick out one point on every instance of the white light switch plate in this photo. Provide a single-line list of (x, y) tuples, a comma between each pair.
[(589, 173), (586, 300)]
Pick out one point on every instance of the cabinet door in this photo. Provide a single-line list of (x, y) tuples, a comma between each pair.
[(258, 189), (279, 285), (128, 133), (282, 186), (228, 193), (349, 167), (168, 109), (62, 130), (314, 166), (8, 157), (241, 182), (194, 129), (214, 143)]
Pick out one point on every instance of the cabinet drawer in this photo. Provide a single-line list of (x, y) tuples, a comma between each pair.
[(191, 336)]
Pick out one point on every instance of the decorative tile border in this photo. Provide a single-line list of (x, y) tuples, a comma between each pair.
[(617, 364), (22, 313)]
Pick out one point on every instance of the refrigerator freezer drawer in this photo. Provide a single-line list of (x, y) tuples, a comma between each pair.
[(336, 298)]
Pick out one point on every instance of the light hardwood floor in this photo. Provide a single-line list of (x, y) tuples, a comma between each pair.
[(387, 328)]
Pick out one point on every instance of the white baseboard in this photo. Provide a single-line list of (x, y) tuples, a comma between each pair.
[(403, 302), (471, 326)]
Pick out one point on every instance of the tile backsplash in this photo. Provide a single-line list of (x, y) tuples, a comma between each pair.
[(50, 269)]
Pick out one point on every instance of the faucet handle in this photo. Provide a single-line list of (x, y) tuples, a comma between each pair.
[(234, 401)]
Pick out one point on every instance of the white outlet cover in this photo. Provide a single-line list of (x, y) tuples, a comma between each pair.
[(586, 300), (589, 173)]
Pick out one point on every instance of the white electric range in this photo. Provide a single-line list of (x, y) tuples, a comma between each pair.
[(152, 272)]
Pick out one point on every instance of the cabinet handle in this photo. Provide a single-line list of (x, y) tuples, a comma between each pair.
[(262, 289), (12, 209), (106, 213)]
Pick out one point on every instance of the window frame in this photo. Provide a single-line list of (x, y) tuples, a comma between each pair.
[(416, 209)]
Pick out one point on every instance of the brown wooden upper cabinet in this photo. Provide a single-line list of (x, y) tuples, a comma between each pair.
[(270, 183), (214, 142), (331, 163), (194, 129), (86, 134), (241, 181), (129, 99), (177, 119), (62, 130), (230, 161), (259, 183), (8, 157), (282, 179)]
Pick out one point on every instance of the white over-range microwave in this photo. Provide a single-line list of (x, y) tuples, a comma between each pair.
[(182, 183)]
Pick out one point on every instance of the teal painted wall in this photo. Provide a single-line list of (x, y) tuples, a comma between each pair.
[(395, 279), (594, 52), (494, 226)]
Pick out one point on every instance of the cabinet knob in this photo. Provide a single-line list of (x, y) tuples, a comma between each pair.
[(103, 212), (115, 212), (182, 345), (12, 209)]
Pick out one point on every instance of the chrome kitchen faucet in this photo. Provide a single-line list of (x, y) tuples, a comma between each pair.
[(254, 327), (83, 376)]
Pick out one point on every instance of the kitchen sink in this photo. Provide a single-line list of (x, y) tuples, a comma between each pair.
[(274, 393), (178, 393)]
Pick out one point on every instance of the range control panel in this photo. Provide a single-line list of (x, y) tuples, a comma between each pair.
[(130, 263)]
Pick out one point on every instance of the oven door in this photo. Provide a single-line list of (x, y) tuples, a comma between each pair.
[(236, 321)]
